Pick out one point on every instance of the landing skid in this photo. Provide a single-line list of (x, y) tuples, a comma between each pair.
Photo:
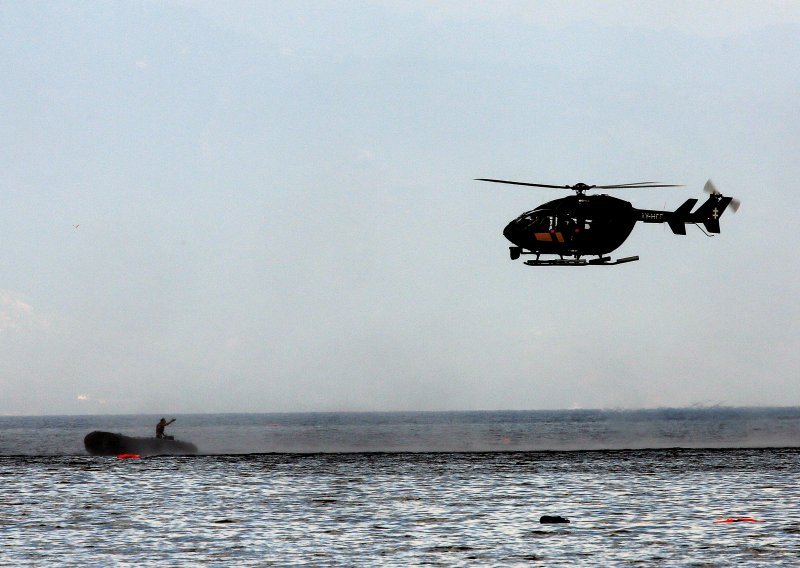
[(602, 261)]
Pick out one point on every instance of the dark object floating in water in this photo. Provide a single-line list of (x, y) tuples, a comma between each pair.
[(739, 520), (552, 519), (108, 444)]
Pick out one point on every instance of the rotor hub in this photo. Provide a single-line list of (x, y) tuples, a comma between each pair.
[(580, 188)]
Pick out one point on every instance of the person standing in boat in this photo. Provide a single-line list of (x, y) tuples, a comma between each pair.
[(160, 428)]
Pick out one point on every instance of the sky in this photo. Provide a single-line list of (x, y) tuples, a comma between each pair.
[(271, 206)]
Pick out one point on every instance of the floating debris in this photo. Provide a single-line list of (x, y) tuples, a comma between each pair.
[(552, 519)]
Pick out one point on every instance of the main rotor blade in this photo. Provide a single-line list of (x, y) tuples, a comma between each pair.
[(583, 187), (634, 183), (524, 183), (641, 184)]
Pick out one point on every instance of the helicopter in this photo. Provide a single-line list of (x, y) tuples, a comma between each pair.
[(595, 225)]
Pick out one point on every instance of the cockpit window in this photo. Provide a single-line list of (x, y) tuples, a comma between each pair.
[(531, 220)]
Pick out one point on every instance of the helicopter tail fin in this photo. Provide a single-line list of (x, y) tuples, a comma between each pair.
[(711, 225), (679, 218), (709, 212)]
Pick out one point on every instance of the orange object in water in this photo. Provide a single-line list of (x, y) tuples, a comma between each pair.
[(128, 456), (739, 520)]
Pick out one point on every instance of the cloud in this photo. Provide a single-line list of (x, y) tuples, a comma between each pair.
[(18, 315), (90, 399), (364, 155)]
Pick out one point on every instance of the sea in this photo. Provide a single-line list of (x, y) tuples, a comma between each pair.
[(639, 487)]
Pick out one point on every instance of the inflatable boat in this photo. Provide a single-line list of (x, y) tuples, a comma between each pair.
[(108, 444)]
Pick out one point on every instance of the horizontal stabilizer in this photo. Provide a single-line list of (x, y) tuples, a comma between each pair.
[(678, 226)]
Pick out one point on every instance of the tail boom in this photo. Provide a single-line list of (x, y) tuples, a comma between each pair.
[(707, 214)]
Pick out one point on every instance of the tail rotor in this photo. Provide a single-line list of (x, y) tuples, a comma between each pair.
[(711, 189)]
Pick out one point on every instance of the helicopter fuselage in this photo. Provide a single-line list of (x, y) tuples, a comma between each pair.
[(574, 226)]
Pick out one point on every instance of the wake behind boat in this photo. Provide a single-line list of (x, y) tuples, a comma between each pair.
[(108, 444)]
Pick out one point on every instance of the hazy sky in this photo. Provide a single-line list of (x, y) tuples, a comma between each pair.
[(270, 206)]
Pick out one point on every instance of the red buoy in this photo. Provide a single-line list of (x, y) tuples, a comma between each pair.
[(128, 456), (739, 520)]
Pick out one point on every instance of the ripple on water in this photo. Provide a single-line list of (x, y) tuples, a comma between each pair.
[(403, 508)]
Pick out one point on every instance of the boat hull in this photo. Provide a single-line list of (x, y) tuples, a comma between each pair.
[(107, 444)]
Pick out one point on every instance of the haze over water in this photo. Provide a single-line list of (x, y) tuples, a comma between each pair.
[(423, 431)]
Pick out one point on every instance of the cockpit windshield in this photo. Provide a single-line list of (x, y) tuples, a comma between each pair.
[(531, 220)]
